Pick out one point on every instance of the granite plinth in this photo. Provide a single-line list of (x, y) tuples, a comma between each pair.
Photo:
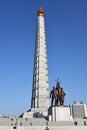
[(60, 114)]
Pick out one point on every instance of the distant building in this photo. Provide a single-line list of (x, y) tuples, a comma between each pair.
[(79, 110)]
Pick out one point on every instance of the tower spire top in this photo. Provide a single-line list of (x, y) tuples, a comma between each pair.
[(41, 11)]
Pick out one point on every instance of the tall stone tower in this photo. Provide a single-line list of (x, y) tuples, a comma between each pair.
[(40, 88)]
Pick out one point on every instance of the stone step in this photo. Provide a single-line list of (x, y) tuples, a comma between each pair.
[(44, 128), (61, 123), (40, 122)]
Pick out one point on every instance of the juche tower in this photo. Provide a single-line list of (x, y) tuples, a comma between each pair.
[(40, 87)]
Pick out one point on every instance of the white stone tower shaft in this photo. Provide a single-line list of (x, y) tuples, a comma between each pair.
[(40, 88)]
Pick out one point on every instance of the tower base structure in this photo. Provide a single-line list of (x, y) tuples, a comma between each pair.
[(60, 113), (36, 113)]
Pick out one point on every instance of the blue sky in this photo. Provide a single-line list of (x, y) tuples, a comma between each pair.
[(66, 34)]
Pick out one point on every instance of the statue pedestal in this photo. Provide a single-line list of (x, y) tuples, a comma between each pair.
[(60, 113)]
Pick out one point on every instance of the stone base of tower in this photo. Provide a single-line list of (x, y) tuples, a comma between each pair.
[(60, 114), (36, 113)]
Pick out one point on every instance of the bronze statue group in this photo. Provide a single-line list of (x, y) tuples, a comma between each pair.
[(57, 94)]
